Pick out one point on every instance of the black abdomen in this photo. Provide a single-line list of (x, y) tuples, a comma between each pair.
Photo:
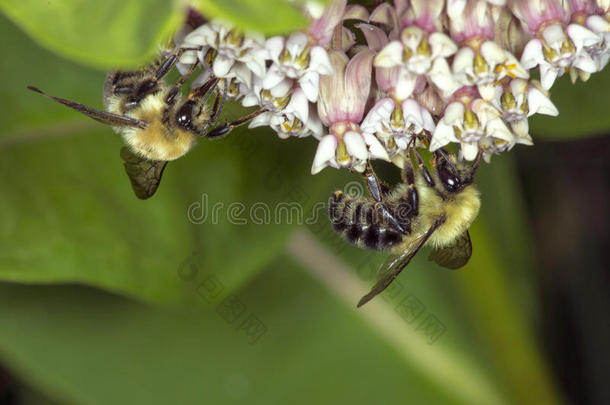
[(362, 223)]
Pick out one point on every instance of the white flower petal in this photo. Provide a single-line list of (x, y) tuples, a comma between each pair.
[(463, 60), (441, 45), (469, 150), (319, 61), (256, 61), (310, 83), (514, 67), (390, 55), (539, 103), (282, 88), (324, 153), (498, 129), (376, 150), (411, 37), (299, 105), (405, 84), (274, 46), (532, 54), (412, 112), (598, 24), (428, 120), (582, 36), (554, 35), (442, 77), (492, 53), (454, 113), (487, 91), (313, 123), (222, 65), (261, 120), (249, 100), (443, 134), (455, 9), (380, 112), (296, 43), (355, 145), (520, 128), (548, 74), (584, 62), (485, 111), (242, 73), (273, 77)]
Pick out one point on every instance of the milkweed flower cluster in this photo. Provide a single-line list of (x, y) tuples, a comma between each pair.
[(372, 83)]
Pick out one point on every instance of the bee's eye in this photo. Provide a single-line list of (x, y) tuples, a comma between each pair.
[(450, 180), (184, 115)]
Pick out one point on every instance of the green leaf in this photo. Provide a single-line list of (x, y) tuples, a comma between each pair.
[(270, 17), (109, 34), (127, 33), (583, 109), (80, 346)]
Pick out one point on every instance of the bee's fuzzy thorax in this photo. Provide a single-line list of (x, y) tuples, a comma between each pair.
[(157, 141), (460, 210)]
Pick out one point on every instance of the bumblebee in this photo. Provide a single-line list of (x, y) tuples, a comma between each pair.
[(427, 209), (157, 123)]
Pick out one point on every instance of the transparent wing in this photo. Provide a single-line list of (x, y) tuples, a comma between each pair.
[(454, 256), (394, 264), (98, 115), (145, 175)]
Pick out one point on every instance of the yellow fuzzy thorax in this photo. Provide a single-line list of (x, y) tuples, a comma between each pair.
[(156, 141), (460, 211)]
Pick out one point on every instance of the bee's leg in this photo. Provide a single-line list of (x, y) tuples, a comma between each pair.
[(475, 164), (219, 102), (412, 195), (171, 60), (170, 99), (377, 188), (379, 191), (423, 170), (227, 127)]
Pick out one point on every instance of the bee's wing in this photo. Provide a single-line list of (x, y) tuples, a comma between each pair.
[(145, 175), (98, 115), (455, 255), (394, 264)]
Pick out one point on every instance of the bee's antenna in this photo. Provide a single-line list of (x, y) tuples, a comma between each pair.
[(443, 154)]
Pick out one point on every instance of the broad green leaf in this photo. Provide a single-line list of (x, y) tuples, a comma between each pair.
[(107, 34), (128, 33), (271, 17), (583, 109), (83, 347)]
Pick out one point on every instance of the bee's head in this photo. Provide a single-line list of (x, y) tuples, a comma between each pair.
[(453, 174), (193, 116)]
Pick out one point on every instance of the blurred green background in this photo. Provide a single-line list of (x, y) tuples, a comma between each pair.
[(106, 299)]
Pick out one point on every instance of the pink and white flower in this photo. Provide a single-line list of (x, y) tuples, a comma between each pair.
[(476, 125), (341, 107)]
